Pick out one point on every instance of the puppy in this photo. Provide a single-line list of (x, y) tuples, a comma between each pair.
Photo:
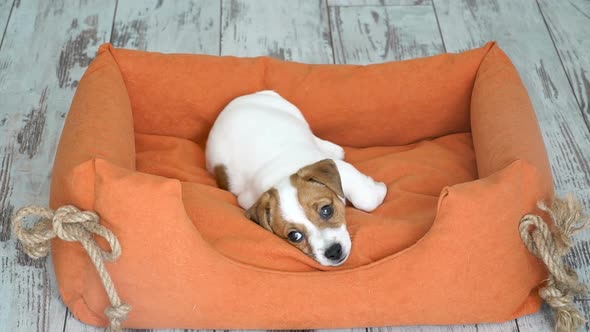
[(289, 181)]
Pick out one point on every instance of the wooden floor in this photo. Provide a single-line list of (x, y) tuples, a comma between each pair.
[(46, 46)]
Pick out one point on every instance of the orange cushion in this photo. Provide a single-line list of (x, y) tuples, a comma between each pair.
[(453, 136)]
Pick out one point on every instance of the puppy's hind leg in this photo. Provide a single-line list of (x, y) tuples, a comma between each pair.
[(331, 150), (361, 190)]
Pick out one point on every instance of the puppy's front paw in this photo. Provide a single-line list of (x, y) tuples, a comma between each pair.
[(331, 150), (337, 152), (369, 199)]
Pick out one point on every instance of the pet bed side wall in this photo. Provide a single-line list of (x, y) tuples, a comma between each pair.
[(505, 131), (503, 122), (392, 103), (99, 124), (398, 103), (180, 95), (472, 263)]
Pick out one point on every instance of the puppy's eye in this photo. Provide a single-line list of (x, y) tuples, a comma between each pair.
[(326, 212), (295, 236)]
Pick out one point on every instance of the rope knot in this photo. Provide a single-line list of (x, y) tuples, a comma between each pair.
[(70, 224), (68, 220)]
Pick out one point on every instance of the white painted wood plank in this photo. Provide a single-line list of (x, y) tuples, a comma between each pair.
[(539, 322), (584, 306), (379, 2), (371, 34), (498, 327), (74, 325), (426, 328), (543, 321), (566, 22), (187, 26), (295, 30), (502, 327), (521, 32), (5, 9), (46, 48)]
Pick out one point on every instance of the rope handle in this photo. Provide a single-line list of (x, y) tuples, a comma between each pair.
[(70, 224), (551, 244)]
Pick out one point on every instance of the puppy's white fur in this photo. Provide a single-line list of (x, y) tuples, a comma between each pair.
[(262, 139)]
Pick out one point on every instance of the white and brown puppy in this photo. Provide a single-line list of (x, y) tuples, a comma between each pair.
[(291, 182)]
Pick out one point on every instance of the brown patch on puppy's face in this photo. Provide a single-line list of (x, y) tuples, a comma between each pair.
[(319, 190), (265, 208), (267, 213)]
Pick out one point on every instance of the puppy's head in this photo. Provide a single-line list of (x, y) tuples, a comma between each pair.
[(307, 210)]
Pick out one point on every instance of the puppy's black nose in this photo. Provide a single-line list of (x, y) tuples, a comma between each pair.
[(334, 252)]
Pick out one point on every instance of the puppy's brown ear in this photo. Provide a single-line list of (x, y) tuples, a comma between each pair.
[(260, 212), (324, 172)]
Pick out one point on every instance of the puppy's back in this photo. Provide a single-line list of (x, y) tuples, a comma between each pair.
[(253, 130)]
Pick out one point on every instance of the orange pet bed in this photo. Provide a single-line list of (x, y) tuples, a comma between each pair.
[(453, 136)]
